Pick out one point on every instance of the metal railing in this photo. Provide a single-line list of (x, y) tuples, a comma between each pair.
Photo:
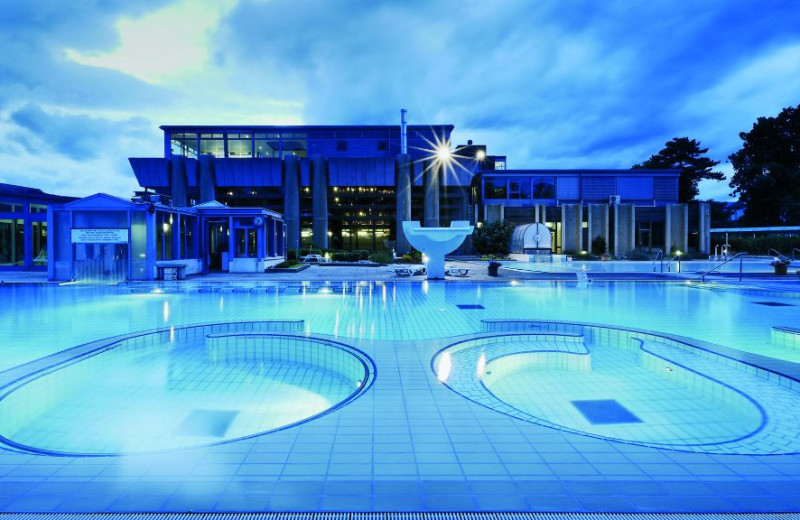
[(740, 256), (676, 257), (777, 253), (659, 256)]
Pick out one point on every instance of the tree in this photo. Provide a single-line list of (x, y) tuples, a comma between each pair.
[(767, 170), (493, 239), (686, 155)]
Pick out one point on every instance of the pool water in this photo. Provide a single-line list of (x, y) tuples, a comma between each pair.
[(249, 396)]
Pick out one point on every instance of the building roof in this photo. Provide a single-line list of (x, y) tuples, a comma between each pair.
[(299, 127), (14, 190)]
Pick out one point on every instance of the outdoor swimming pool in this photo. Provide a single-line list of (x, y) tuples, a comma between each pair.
[(748, 265), (338, 395)]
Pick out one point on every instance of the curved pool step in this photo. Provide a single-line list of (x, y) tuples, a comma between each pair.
[(786, 337)]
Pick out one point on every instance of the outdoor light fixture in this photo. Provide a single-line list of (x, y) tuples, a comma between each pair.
[(443, 153), (481, 155)]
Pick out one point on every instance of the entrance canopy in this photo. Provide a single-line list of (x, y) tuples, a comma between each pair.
[(106, 238)]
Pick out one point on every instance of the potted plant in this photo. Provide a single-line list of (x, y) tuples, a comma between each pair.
[(781, 265), (494, 265)]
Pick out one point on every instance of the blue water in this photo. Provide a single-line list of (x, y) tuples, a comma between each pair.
[(39, 320)]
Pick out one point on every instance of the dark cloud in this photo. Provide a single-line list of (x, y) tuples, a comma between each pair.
[(584, 79), (76, 136)]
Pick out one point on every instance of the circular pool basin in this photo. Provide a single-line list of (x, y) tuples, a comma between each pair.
[(625, 386), (180, 388)]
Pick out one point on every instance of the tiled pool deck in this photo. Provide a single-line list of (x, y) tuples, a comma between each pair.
[(408, 444)]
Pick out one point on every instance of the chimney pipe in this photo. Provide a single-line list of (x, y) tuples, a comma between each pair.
[(403, 136)]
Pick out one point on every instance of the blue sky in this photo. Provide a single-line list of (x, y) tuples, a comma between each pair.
[(551, 84)]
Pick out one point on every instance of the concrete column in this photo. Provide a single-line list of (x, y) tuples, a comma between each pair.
[(206, 180), (676, 230), (291, 200), (624, 229), (539, 213), (403, 198), (431, 185), (571, 228), (319, 202), (704, 228), (177, 172), (598, 223)]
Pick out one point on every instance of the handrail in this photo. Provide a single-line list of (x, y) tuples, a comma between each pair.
[(669, 262), (781, 256), (659, 256), (737, 255)]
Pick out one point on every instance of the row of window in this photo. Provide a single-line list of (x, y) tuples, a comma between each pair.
[(18, 207), (521, 188)]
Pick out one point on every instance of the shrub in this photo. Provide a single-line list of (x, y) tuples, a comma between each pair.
[(287, 263), (381, 257), (493, 239), (759, 245), (598, 245)]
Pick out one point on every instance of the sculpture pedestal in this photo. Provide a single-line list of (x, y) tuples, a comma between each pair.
[(435, 242)]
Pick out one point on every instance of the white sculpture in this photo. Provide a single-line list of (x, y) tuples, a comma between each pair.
[(435, 242)]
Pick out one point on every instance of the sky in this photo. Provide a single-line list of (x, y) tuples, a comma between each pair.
[(550, 83)]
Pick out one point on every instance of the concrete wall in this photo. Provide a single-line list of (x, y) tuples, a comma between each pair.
[(704, 228), (572, 228), (177, 171), (676, 227), (624, 229), (291, 201), (403, 206), (319, 202), (597, 224), (431, 186), (206, 179)]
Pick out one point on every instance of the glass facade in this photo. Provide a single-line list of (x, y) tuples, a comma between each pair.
[(212, 144), (12, 242), (184, 144), (519, 188), (240, 146)]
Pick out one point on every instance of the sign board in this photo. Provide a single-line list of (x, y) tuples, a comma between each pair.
[(99, 236)]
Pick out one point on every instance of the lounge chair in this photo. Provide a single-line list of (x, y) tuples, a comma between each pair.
[(402, 271), (451, 270)]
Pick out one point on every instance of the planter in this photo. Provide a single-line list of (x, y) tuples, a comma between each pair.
[(493, 267), (781, 268)]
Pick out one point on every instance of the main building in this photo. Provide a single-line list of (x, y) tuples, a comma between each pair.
[(349, 187)]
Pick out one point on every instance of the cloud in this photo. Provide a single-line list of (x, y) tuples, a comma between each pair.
[(75, 136), (550, 84)]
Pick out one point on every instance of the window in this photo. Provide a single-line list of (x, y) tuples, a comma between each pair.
[(519, 188), (184, 144), (499, 164), (544, 187), (212, 144), (38, 208), (294, 144), (240, 146), (267, 145), (10, 207), (12, 241), (495, 187)]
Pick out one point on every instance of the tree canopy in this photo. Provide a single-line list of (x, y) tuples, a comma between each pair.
[(767, 170), (682, 153)]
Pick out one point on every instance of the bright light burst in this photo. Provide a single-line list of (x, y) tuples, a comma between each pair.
[(440, 155)]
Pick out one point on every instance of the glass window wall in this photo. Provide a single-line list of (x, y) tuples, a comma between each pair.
[(267, 145), (38, 208), (10, 207), (240, 146), (294, 144), (12, 242), (39, 243), (496, 187), (184, 144), (544, 187), (212, 144)]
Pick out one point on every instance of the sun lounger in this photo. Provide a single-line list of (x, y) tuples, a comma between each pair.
[(402, 271), (451, 270)]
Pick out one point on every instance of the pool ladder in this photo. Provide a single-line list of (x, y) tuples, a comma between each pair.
[(740, 256)]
